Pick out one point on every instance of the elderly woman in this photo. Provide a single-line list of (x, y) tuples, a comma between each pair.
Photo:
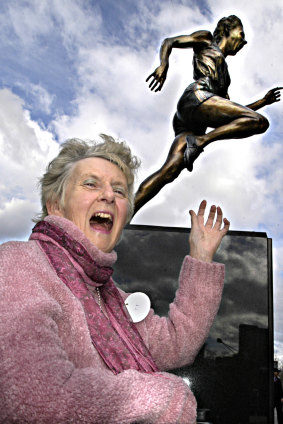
[(69, 351)]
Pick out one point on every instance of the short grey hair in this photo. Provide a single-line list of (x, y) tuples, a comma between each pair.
[(53, 183)]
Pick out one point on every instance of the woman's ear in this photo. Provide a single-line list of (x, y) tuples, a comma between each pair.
[(54, 208)]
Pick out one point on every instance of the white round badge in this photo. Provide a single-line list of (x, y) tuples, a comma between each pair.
[(138, 306)]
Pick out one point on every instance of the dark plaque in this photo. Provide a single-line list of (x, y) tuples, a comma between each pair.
[(232, 376)]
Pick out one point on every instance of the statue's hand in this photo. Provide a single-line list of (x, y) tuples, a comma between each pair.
[(273, 96), (158, 78), (205, 238)]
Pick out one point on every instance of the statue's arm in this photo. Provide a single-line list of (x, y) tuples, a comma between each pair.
[(196, 40), (271, 96)]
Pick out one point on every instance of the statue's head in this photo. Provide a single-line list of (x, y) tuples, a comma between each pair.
[(230, 28), (225, 25)]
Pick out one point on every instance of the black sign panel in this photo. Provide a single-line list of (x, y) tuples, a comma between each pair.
[(232, 376)]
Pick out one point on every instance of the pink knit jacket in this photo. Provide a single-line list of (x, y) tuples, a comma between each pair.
[(49, 370)]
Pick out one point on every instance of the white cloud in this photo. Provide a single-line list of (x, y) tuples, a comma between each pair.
[(15, 219), (25, 148), (29, 20), (70, 19), (42, 96)]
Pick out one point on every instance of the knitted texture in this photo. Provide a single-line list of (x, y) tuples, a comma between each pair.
[(50, 371), (114, 336)]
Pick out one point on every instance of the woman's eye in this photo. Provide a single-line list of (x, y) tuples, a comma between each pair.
[(120, 191), (90, 184)]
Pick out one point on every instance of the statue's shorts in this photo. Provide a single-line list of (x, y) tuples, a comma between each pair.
[(184, 119)]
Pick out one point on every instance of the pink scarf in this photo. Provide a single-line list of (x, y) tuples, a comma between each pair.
[(116, 338)]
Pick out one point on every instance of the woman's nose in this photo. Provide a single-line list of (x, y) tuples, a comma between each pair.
[(107, 194)]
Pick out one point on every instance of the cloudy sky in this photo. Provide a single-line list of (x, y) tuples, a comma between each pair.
[(76, 68)]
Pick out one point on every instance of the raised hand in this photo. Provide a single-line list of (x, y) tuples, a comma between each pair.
[(273, 95), (158, 78), (205, 238)]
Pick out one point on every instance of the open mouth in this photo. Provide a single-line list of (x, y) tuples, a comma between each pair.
[(101, 221)]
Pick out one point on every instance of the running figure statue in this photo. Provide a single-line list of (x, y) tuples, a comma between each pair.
[(204, 103)]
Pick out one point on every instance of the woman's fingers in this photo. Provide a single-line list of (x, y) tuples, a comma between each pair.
[(211, 216), (219, 218), (226, 227), (201, 209), (214, 220)]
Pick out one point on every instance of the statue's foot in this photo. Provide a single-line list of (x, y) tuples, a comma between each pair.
[(192, 152)]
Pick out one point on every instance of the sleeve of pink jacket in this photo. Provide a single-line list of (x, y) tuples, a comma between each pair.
[(176, 340), (40, 383)]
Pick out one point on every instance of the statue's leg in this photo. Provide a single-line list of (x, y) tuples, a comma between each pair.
[(229, 119), (172, 167)]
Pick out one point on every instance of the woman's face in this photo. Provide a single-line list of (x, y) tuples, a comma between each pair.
[(96, 201)]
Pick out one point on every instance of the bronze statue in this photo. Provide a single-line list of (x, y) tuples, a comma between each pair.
[(204, 103)]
